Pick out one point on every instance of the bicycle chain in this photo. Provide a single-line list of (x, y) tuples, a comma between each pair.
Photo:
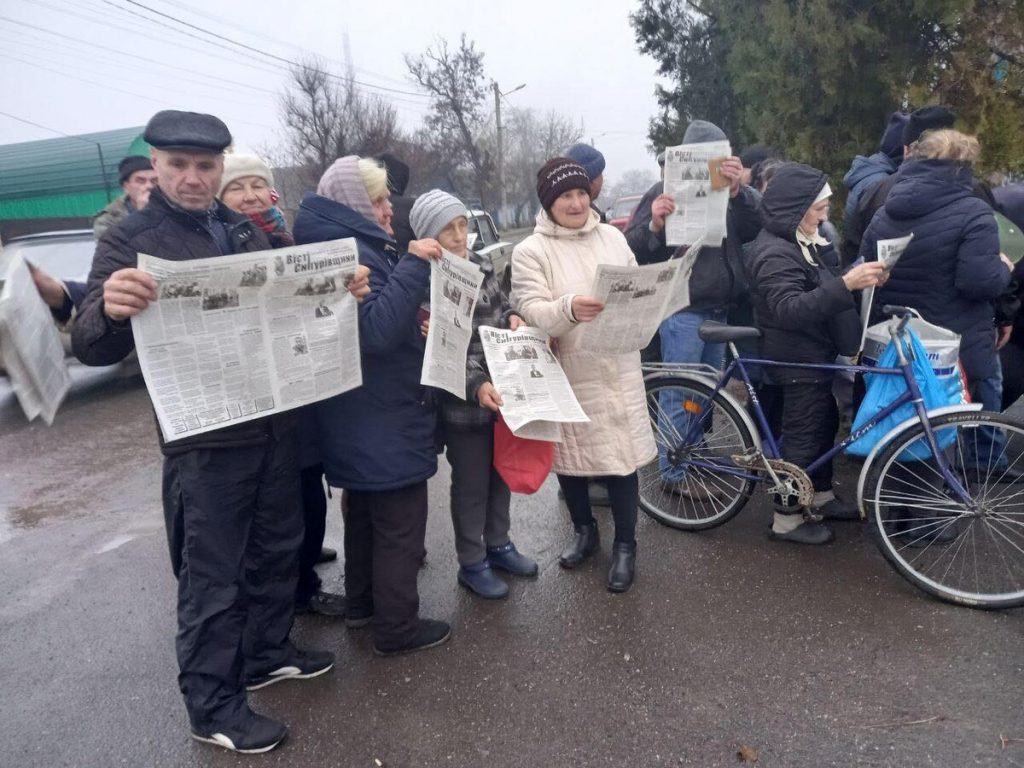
[(795, 480)]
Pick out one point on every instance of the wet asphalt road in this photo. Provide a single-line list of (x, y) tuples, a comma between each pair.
[(812, 657)]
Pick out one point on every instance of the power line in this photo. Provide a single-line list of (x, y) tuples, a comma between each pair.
[(131, 57), (262, 35), (110, 87), (289, 62), (77, 67)]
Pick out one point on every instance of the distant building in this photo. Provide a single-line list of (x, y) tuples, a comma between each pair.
[(61, 183)]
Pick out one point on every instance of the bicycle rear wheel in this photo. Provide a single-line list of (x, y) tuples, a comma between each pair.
[(969, 552), (681, 487)]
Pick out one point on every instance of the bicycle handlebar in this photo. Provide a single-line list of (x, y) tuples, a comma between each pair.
[(904, 312)]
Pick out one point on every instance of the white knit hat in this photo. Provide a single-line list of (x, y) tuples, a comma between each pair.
[(433, 211), (239, 166)]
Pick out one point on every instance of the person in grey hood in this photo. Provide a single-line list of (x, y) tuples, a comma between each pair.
[(718, 281)]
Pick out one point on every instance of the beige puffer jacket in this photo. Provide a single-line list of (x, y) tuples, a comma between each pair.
[(548, 268)]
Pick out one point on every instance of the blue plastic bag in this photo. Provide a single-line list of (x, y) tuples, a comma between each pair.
[(883, 389)]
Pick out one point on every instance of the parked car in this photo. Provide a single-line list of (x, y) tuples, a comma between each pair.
[(64, 255), (484, 239), (622, 210)]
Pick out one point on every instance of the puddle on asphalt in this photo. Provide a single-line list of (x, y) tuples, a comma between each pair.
[(33, 516)]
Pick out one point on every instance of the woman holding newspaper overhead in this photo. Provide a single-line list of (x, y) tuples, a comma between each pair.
[(377, 441), (552, 273)]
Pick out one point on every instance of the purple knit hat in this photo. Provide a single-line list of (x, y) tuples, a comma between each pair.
[(343, 184)]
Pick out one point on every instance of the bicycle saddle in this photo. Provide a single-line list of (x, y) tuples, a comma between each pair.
[(720, 332)]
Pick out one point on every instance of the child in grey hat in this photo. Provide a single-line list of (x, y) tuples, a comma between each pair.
[(480, 499)]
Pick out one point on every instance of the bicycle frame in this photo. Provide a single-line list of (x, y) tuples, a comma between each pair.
[(739, 364)]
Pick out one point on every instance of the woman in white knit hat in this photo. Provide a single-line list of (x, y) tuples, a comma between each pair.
[(248, 188), (480, 499)]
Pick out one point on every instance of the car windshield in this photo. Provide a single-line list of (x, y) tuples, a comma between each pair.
[(624, 206), (482, 226), (66, 258)]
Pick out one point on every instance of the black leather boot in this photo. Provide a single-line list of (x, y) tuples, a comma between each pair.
[(584, 544), (620, 577)]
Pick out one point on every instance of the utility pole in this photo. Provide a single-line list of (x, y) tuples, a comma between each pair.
[(500, 129), (501, 153)]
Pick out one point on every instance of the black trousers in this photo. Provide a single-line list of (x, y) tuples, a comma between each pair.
[(384, 533), (480, 499), (810, 420), (623, 493), (314, 518), (241, 528)]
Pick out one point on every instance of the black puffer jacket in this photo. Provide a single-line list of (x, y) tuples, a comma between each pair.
[(951, 271), (804, 310), (167, 232), (718, 280)]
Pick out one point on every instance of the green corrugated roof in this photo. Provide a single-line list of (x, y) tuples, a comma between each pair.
[(63, 177)]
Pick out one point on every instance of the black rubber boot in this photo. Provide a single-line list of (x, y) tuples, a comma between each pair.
[(620, 576), (584, 544)]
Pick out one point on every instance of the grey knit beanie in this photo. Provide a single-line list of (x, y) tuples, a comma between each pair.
[(433, 211), (343, 183), (701, 131)]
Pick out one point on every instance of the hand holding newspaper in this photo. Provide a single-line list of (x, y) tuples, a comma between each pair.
[(702, 201), (889, 252), (234, 338), (636, 300), (454, 288), (30, 348), (533, 386)]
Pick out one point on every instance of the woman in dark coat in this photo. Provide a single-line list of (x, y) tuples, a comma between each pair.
[(377, 441), (952, 270), (807, 314)]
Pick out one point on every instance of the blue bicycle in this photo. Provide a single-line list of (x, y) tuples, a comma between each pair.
[(942, 489)]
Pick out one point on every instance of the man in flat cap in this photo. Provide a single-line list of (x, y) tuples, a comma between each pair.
[(231, 496), (137, 177)]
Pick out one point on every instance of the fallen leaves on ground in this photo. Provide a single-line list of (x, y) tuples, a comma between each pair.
[(747, 754)]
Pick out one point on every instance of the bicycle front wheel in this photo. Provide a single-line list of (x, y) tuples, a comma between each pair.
[(962, 549), (688, 485)]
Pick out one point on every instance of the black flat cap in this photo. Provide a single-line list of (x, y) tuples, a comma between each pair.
[(171, 129), (130, 165)]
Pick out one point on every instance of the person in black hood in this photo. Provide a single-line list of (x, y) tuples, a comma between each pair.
[(401, 205), (807, 314)]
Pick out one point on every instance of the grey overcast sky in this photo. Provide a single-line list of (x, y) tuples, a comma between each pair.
[(90, 65)]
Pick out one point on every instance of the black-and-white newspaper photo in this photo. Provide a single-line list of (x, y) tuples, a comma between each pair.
[(889, 252), (454, 287), (233, 338), (701, 203), (30, 349), (636, 300), (535, 393)]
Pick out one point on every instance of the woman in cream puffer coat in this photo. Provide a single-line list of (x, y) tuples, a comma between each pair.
[(552, 273)]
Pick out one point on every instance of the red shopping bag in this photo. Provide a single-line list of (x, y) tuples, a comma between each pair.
[(523, 464)]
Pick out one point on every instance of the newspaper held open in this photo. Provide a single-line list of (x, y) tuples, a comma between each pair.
[(636, 300), (234, 338), (535, 393), (30, 347), (692, 178), (454, 288)]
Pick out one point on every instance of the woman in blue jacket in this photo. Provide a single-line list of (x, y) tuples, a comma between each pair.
[(377, 441), (952, 270)]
